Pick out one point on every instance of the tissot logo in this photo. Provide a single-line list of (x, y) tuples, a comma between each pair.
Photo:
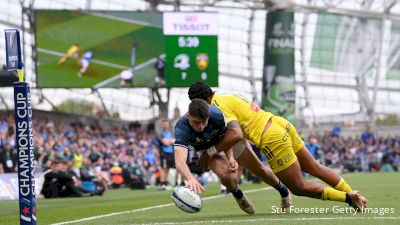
[(190, 23), (190, 27)]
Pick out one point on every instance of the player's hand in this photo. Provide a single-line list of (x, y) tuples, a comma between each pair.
[(194, 185), (233, 165), (202, 162)]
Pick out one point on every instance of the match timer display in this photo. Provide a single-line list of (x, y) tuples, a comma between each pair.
[(191, 43)]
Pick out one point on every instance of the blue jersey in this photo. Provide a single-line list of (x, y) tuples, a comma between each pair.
[(212, 133), (88, 55), (313, 150), (168, 135)]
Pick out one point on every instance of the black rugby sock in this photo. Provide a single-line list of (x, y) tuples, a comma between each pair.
[(283, 190), (238, 194)]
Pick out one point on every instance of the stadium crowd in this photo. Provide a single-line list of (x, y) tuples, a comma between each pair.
[(367, 152), (112, 156)]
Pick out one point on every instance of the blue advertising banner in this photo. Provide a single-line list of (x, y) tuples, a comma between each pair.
[(25, 147), (13, 49)]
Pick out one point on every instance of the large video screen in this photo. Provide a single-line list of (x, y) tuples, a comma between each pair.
[(99, 49)]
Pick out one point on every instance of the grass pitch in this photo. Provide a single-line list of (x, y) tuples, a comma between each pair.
[(155, 207)]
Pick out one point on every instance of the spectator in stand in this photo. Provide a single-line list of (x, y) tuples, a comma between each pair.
[(134, 177), (77, 160), (368, 137), (92, 181), (166, 153), (59, 183), (116, 175), (313, 147), (8, 159)]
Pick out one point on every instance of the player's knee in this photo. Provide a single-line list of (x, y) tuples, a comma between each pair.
[(298, 189), (314, 169), (226, 176), (259, 170)]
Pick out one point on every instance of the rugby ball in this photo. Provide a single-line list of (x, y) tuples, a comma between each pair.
[(186, 199)]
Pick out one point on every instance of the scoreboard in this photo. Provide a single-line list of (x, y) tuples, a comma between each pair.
[(191, 44)]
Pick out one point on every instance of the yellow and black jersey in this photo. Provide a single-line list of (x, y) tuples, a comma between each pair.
[(249, 115)]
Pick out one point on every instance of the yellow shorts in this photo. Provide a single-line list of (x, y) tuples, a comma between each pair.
[(280, 143)]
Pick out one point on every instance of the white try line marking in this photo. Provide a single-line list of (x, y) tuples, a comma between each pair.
[(137, 68), (126, 20), (104, 63), (230, 221), (149, 208)]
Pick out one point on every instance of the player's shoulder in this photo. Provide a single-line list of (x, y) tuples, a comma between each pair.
[(214, 111), (226, 96), (183, 123)]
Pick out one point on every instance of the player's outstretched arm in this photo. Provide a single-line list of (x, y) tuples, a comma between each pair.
[(232, 136), (182, 168)]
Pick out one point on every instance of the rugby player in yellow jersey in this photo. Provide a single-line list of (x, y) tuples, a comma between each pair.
[(73, 51), (280, 143)]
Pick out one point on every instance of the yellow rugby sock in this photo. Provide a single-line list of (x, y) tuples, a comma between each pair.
[(333, 195), (343, 186)]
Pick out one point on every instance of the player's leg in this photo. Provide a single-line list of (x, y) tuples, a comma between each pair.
[(170, 165), (163, 171), (294, 180), (70, 53), (85, 65), (310, 165), (122, 83), (219, 165), (278, 146), (61, 61), (248, 159)]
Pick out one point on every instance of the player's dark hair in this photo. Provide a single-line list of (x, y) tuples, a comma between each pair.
[(199, 108), (200, 90)]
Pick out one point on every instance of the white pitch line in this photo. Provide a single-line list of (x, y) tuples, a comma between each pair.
[(137, 68), (148, 208), (111, 79), (104, 63), (230, 221), (126, 20)]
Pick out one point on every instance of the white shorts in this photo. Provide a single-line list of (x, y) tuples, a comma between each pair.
[(85, 63), (238, 149), (126, 75)]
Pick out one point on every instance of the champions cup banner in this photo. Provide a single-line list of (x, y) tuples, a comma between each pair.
[(13, 50), (24, 143), (24, 131), (278, 90)]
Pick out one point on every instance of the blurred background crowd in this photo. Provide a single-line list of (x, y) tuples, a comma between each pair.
[(92, 158)]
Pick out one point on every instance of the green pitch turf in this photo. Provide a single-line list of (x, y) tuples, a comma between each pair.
[(109, 38), (154, 207)]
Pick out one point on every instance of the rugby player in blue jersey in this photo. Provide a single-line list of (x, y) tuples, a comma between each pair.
[(203, 127)]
